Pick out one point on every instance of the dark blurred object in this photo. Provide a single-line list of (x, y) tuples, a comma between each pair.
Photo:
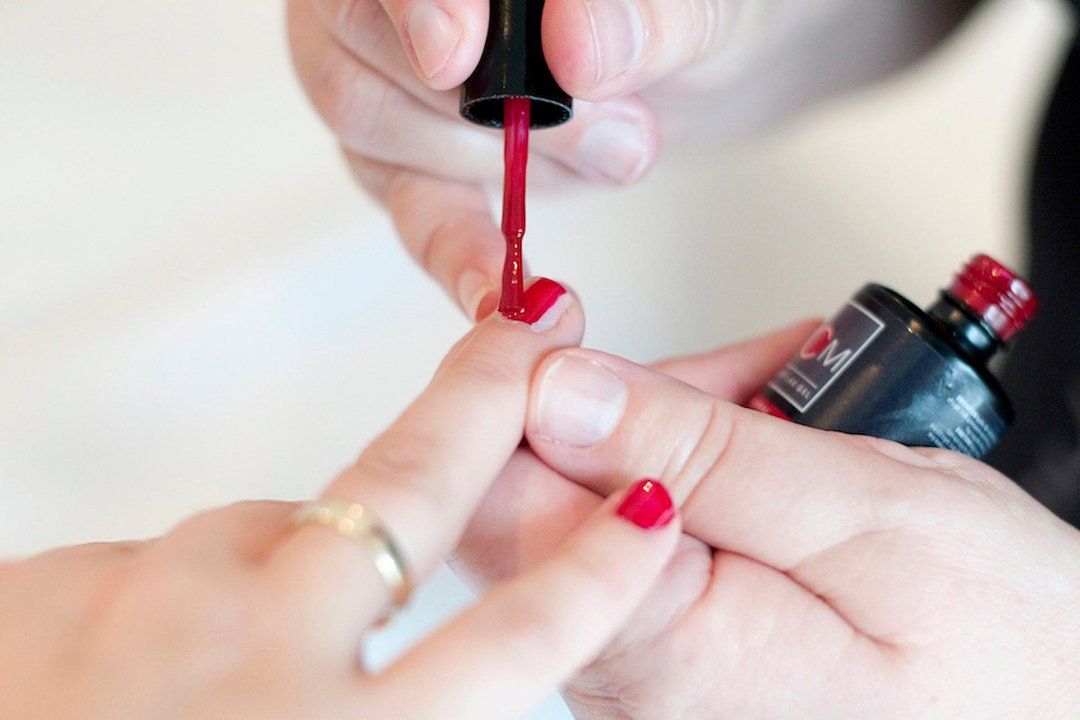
[(1042, 376)]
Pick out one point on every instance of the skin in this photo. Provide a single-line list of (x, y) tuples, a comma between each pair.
[(820, 575), (237, 613), (383, 75)]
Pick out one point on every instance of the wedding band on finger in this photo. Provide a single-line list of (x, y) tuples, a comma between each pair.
[(359, 523)]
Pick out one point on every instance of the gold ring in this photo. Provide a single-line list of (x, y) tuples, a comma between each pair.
[(355, 521)]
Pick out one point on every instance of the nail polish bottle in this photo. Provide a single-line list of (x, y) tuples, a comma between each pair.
[(884, 367)]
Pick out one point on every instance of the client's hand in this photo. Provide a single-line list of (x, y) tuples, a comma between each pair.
[(820, 575), (240, 612)]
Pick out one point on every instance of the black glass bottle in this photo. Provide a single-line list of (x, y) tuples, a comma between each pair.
[(884, 367)]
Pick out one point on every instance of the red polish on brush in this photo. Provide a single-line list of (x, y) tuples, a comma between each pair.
[(512, 88), (516, 120)]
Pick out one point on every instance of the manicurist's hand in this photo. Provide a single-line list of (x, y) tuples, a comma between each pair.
[(257, 610), (819, 575), (384, 75)]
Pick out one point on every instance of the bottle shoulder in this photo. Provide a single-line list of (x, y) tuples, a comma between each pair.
[(921, 324)]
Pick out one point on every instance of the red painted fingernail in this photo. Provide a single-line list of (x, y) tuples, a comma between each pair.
[(647, 505), (539, 298)]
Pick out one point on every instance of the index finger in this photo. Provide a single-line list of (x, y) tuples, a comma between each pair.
[(426, 473)]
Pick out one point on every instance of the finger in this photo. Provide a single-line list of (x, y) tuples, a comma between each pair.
[(791, 497), (507, 652), (736, 372), (442, 39), (223, 538), (365, 32), (375, 117), (523, 517), (426, 473), (447, 227), (505, 536), (85, 569), (381, 112), (599, 49)]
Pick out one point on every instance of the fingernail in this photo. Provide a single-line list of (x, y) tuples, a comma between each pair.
[(616, 149), (648, 505), (539, 301), (618, 36), (579, 401), (433, 36), (473, 288)]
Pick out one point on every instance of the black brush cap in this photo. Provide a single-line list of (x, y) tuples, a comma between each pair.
[(513, 65)]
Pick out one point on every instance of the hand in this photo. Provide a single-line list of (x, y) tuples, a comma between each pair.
[(383, 74), (237, 613), (820, 575), (384, 77)]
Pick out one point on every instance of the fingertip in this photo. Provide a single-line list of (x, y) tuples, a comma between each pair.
[(545, 306), (556, 321), (444, 40), (568, 46)]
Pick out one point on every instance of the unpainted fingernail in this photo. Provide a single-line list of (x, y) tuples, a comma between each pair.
[(433, 35), (616, 149), (618, 34), (473, 287), (579, 401)]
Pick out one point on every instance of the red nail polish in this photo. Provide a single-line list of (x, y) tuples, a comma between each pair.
[(647, 505), (516, 123), (540, 296)]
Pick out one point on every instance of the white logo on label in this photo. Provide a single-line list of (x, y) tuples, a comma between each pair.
[(832, 359), (823, 359)]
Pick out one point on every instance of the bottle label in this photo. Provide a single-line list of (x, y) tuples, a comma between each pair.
[(826, 355)]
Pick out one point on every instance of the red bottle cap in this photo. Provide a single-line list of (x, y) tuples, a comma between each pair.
[(1003, 300)]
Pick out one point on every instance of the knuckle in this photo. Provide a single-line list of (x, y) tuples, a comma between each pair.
[(346, 18), (532, 628), (355, 104), (361, 25), (704, 450), (393, 456), (166, 602), (393, 461), (436, 242), (489, 364)]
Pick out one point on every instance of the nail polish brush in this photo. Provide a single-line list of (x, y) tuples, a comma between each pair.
[(512, 88)]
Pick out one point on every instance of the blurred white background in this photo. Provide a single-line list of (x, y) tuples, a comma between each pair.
[(196, 304)]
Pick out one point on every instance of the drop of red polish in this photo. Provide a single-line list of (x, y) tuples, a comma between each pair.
[(516, 120)]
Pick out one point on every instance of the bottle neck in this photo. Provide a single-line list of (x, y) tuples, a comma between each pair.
[(971, 335)]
